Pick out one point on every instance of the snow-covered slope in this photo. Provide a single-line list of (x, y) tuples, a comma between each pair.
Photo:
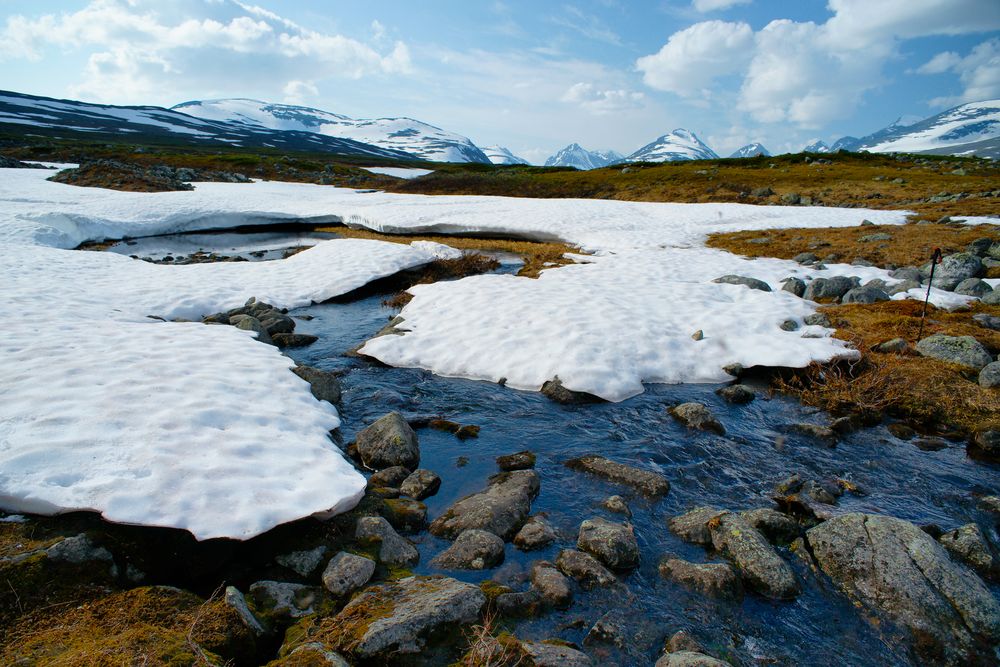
[(44, 115), (751, 150), (966, 124), (403, 134), (677, 145), (817, 147), (577, 156), (501, 155)]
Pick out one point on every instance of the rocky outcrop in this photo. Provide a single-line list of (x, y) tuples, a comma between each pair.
[(645, 481), (501, 509), (898, 571)]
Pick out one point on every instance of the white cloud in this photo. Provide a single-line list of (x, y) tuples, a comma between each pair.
[(602, 102), (693, 57), (588, 25), (979, 73), (298, 92), (715, 5), (940, 63)]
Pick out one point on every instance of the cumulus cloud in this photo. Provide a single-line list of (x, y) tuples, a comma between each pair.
[(138, 46), (979, 73), (715, 5), (693, 57), (297, 92), (602, 102)]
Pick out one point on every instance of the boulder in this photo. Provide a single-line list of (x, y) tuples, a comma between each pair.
[(248, 323), (535, 534), (405, 513), (992, 298), (614, 544), (689, 659), (968, 544), (953, 269), (324, 385), (893, 346), (552, 586), (420, 484), (987, 321), (738, 394), (392, 477), (388, 442), (284, 340), (542, 654), (902, 286), (555, 390), (697, 416), (893, 568), (989, 376), (583, 567), (472, 550), (501, 509), (805, 258), (817, 320), (986, 442), (523, 460), (962, 350), (752, 283), (302, 563), (973, 287), (778, 528), (796, 286), (393, 549), (760, 566), (692, 526), (282, 600), (645, 481), (830, 288), (716, 580), (907, 273), (347, 572), (864, 295)]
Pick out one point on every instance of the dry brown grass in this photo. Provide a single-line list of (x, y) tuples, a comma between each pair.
[(487, 648), (911, 244), (444, 269)]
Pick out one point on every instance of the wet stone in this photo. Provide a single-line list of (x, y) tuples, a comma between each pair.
[(551, 584), (420, 484), (647, 482), (393, 549), (523, 460), (617, 505), (716, 580), (537, 533), (472, 550), (697, 416), (346, 573), (614, 544), (584, 568), (388, 442), (738, 394)]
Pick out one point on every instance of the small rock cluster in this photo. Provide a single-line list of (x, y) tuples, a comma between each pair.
[(272, 325), (118, 175)]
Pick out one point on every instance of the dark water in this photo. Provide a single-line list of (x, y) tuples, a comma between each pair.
[(737, 471), (252, 246)]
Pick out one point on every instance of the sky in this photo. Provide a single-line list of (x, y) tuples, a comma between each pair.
[(530, 75)]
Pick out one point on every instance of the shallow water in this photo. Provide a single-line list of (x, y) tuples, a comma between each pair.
[(254, 246), (737, 471)]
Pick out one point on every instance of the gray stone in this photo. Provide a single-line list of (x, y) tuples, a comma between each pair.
[(324, 385), (805, 258), (645, 481), (796, 286), (521, 603), (542, 654), (613, 544), (830, 288), (79, 549), (235, 601), (420, 484), (313, 654), (501, 509), (973, 287), (968, 544), (347, 572), (303, 563), (989, 377), (392, 477), (759, 565), (717, 580), (617, 505), (405, 514), (752, 283), (907, 273), (778, 528), (551, 584), (419, 606), (789, 325), (879, 236), (953, 269), (817, 320), (282, 599), (697, 416), (555, 390), (992, 298), (583, 567), (987, 442), (791, 198), (535, 534), (393, 549), (963, 350), (891, 567), (692, 526), (276, 322), (904, 286), (284, 340), (523, 460), (824, 434), (895, 345), (473, 549), (987, 321), (689, 659), (388, 442), (864, 295), (248, 323), (736, 393)]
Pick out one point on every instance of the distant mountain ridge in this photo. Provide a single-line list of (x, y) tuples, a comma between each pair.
[(750, 150), (680, 144), (577, 156), (501, 155)]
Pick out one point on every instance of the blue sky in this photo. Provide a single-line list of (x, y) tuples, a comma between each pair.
[(532, 76)]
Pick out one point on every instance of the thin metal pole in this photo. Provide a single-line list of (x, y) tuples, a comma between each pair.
[(935, 260)]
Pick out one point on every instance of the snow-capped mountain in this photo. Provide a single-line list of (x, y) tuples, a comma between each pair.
[(678, 145), (575, 155), (955, 129), (751, 150), (501, 155), (402, 134), (816, 147), (847, 143), (45, 115)]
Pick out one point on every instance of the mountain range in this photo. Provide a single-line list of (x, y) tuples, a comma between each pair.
[(501, 155), (751, 150), (577, 156)]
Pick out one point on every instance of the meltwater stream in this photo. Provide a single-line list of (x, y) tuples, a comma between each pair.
[(737, 471)]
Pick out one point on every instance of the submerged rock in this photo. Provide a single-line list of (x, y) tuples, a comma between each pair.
[(523, 460), (760, 566), (583, 567), (388, 442), (501, 509), (717, 580), (697, 416), (963, 350), (324, 385), (554, 390), (551, 584), (617, 505), (472, 550), (647, 482), (614, 544)]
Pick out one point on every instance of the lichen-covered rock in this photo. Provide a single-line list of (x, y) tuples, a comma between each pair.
[(472, 550), (420, 484), (393, 549), (752, 283), (584, 568), (973, 287), (692, 526), (324, 385), (523, 460), (302, 563), (388, 442), (313, 654), (647, 482), (405, 514), (717, 580), (953, 269), (833, 287), (697, 416), (738, 394), (864, 295), (543, 654), (963, 350), (968, 544), (501, 509), (689, 659), (759, 565), (895, 569), (778, 528), (989, 376), (346, 573), (613, 544), (551, 584), (537, 533), (282, 600)]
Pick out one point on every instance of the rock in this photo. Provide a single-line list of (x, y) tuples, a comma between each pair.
[(696, 415), (761, 192), (986, 442), (420, 484), (760, 566), (523, 460), (583, 567), (894, 346), (282, 600), (405, 513), (963, 350), (535, 534), (689, 659), (791, 198), (683, 641), (973, 287), (472, 550), (392, 477), (824, 434), (522, 603), (990, 504), (846, 424), (396, 617), (989, 376), (692, 526), (968, 544), (864, 295), (501, 509), (346, 573), (542, 654), (284, 340), (879, 236), (275, 322), (735, 370), (891, 567), (248, 323), (830, 288), (778, 528), (752, 283), (302, 563), (324, 385), (817, 320), (738, 394), (698, 335), (987, 321), (551, 584), (607, 630), (717, 580), (388, 442), (617, 505), (796, 286), (613, 544), (312, 655), (554, 390), (953, 270), (903, 286), (789, 325), (393, 549), (805, 258), (79, 549), (645, 481), (235, 601), (901, 431), (907, 273)]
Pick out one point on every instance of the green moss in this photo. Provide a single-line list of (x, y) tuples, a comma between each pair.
[(492, 589)]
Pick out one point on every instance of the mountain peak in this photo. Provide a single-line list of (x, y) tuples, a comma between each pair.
[(751, 150), (681, 144), (577, 156)]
